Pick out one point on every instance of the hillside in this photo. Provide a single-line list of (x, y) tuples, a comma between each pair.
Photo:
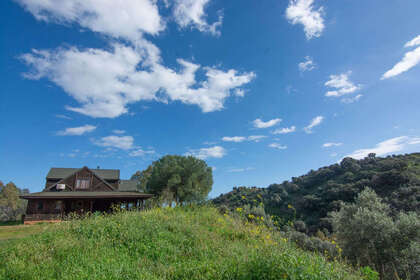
[(312, 196), (180, 243)]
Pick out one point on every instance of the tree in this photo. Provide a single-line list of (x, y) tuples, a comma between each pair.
[(142, 177), (11, 206), (178, 179), (370, 235)]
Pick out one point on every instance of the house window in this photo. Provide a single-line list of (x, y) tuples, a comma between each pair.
[(40, 205), (82, 183)]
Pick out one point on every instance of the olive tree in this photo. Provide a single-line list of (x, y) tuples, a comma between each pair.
[(370, 235)]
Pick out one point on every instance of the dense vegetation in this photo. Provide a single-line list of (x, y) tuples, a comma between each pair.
[(11, 206), (176, 179), (168, 243), (370, 207), (311, 197)]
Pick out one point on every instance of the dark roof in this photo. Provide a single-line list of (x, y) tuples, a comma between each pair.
[(106, 174), (111, 194), (127, 185)]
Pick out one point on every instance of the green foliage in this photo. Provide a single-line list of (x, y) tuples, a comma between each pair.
[(369, 235), (396, 179), (170, 243), (177, 179), (11, 206)]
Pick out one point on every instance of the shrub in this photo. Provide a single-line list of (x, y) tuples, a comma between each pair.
[(369, 235)]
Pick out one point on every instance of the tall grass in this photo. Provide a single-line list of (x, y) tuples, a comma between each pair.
[(171, 243)]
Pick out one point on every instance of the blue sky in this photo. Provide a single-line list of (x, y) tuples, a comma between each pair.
[(262, 90)]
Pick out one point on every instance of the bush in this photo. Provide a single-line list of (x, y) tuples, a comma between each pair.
[(369, 235)]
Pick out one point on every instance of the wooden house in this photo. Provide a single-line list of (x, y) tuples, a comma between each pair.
[(81, 191)]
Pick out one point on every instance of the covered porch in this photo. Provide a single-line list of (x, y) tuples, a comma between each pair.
[(53, 206)]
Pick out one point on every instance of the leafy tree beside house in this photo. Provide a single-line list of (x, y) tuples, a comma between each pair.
[(177, 179), (11, 206)]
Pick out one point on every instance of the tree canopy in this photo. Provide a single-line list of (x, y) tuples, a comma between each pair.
[(177, 179), (11, 206)]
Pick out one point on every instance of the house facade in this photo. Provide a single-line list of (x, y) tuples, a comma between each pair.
[(81, 190)]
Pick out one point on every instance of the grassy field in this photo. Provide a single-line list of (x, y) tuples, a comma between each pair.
[(19, 231), (180, 243)]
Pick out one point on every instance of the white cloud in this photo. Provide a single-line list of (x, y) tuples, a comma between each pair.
[(413, 43), (258, 123), (314, 122), (307, 65), (342, 84), (106, 82), (191, 13), (204, 153), (238, 139), (349, 100), (386, 147), (285, 130), (139, 152), (127, 19), (277, 146), (236, 170), (80, 130), (114, 141), (331, 144), (409, 60), (303, 12), (118, 131), (256, 138)]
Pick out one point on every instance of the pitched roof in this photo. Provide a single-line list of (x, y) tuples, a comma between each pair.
[(110, 194), (127, 185), (106, 174)]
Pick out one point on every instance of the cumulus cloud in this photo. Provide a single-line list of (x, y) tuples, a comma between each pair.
[(204, 153), (114, 141), (191, 13), (331, 144), (342, 85), (121, 19), (307, 65), (277, 146), (258, 123), (392, 145), (104, 82), (118, 131), (314, 122), (80, 130), (410, 59), (303, 12), (285, 130)]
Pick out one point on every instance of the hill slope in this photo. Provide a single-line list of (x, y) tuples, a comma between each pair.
[(310, 197), (181, 243)]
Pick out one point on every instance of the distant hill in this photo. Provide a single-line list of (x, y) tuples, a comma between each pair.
[(310, 197), (169, 243)]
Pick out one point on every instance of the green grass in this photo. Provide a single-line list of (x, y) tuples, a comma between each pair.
[(180, 243), (20, 231)]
